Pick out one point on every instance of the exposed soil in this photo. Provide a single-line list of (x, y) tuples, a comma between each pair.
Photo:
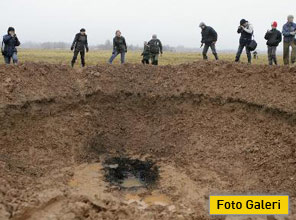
[(210, 127)]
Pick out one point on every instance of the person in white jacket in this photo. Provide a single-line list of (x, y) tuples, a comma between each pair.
[(246, 31)]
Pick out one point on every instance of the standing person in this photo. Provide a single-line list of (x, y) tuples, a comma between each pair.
[(79, 45), (10, 42), (273, 37), (119, 47), (246, 31), (289, 32), (155, 48), (146, 53), (209, 39)]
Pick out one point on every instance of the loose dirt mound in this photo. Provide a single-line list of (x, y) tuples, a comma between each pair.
[(209, 127)]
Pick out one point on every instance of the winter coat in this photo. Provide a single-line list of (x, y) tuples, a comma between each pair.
[(287, 29), (273, 37), (246, 34), (119, 44), (80, 42), (10, 44), (209, 35)]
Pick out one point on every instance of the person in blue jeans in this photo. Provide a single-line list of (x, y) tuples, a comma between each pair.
[(119, 47), (10, 42)]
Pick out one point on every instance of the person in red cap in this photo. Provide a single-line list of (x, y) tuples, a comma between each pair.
[(274, 38)]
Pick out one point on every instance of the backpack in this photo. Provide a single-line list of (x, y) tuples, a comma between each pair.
[(252, 45), (154, 47)]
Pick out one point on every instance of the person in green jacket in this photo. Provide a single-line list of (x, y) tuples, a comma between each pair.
[(155, 48), (146, 53)]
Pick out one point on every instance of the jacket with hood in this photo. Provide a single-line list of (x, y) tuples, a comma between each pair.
[(209, 35)]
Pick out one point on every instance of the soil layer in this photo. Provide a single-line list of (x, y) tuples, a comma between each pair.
[(210, 127)]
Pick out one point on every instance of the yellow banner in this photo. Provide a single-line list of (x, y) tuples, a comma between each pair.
[(249, 205)]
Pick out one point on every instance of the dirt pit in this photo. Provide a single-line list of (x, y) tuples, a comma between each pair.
[(208, 127), (130, 173)]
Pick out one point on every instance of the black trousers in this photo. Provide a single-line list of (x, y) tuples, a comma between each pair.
[(82, 55), (240, 50), (205, 51), (271, 50)]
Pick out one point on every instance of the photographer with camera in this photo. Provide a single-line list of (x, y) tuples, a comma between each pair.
[(10, 42), (246, 31)]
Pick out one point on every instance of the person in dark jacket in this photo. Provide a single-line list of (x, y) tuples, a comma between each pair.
[(155, 48), (246, 31), (10, 42), (79, 45), (289, 32), (209, 39), (119, 47), (146, 53), (273, 37)]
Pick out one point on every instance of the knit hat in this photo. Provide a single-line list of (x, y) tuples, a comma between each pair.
[(274, 24), (243, 21), (154, 36), (10, 29), (202, 24), (290, 16), (82, 30)]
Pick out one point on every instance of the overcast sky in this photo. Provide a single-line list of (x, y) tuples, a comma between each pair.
[(174, 21)]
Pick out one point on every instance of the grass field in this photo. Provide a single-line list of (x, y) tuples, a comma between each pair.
[(95, 57)]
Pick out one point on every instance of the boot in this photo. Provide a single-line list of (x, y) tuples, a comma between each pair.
[(216, 56), (205, 57), (72, 64), (249, 59), (275, 60)]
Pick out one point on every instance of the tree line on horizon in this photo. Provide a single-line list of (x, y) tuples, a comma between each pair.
[(106, 46)]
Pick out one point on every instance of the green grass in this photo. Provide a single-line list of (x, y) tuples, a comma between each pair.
[(95, 57)]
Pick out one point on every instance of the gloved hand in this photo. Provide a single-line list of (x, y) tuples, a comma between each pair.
[(72, 48), (87, 50), (125, 51)]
